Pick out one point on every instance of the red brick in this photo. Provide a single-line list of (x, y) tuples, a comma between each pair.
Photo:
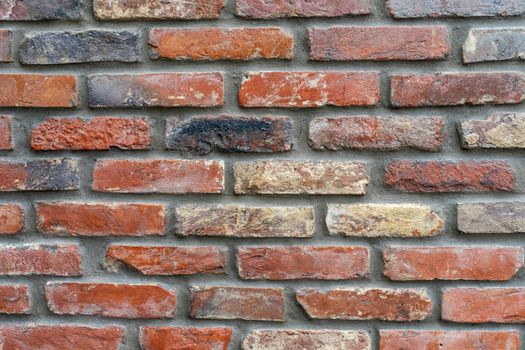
[(111, 300), (379, 43), (232, 303), (6, 42), (267, 9), (11, 219), (448, 176), (208, 43), (100, 219), (6, 140), (366, 304), (178, 338), (302, 262), (309, 89), (478, 305), (453, 89), (61, 337), (452, 263), (158, 176), (448, 340), (96, 134), (150, 260), (37, 90), (52, 260), (14, 299)]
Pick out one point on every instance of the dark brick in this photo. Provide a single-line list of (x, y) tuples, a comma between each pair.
[(267, 9), (34, 10), (39, 175), (468, 8)]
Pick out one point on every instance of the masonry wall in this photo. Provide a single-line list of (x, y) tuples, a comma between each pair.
[(262, 174)]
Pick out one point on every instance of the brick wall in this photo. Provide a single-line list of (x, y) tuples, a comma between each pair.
[(262, 174)]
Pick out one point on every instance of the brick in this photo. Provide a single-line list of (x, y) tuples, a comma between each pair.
[(168, 261), (383, 220), (36, 10), (100, 133), (175, 338), (11, 219), (452, 263), (80, 47), (6, 140), (438, 8), (448, 340), (377, 133), (498, 217), (39, 175), (448, 176), (479, 305), (366, 304), (202, 135), (379, 43), (110, 300), (245, 222), (484, 45), (231, 303), (303, 262), (208, 43), (309, 89), (14, 299), (300, 177), (100, 219), (502, 130), (51, 260), (156, 90), (157, 10), (38, 90), (6, 43), (158, 176), (306, 340), (267, 9), (454, 89), (61, 337)]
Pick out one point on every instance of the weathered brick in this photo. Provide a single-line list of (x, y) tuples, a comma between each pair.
[(478, 305), (174, 338), (453, 89), (303, 262), (37, 90), (6, 43), (502, 130), (452, 263), (232, 303), (14, 299), (202, 135), (208, 43), (448, 340), (377, 133), (99, 133), (156, 90), (379, 43), (297, 177), (110, 300), (494, 45), (158, 260), (382, 220), (306, 340), (156, 9), (498, 217), (100, 219), (11, 219), (35, 10), (39, 175), (6, 140), (240, 221), (61, 337), (158, 176), (309, 89), (448, 176), (52, 260), (267, 9), (439, 8), (80, 47), (366, 304)]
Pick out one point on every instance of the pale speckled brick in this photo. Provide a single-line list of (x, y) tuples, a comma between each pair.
[(497, 131)]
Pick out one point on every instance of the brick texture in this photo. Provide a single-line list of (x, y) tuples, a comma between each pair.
[(11, 219), (52, 260), (37, 90), (6, 138), (14, 299), (157, 338), (6, 41)]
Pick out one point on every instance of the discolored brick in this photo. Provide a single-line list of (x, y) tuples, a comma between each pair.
[(36, 10), (11, 219), (497, 217), (486, 44), (497, 131), (176, 338), (39, 175), (6, 140), (268, 9), (51, 260), (6, 43), (14, 299), (439, 8)]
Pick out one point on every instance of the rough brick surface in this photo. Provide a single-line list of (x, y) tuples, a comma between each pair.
[(484, 45), (14, 299), (173, 338), (497, 131), (267, 9), (11, 219), (52, 260), (34, 10), (470, 8), (6, 42), (497, 217), (6, 138), (39, 175)]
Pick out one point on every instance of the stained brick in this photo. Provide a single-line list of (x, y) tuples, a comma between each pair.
[(173, 338), (438, 8), (14, 299), (484, 45), (35, 10), (39, 175), (267, 9), (497, 217), (6, 43), (6, 140), (11, 219), (503, 130), (52, 260)]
